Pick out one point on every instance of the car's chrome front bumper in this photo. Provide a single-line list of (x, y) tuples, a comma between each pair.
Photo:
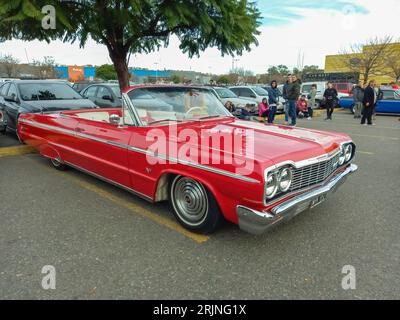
[(258, 222)]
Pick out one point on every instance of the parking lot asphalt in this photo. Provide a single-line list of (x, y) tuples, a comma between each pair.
[(107, 244)]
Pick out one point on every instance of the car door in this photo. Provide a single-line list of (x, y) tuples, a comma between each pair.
[(90, 93), (102, 147), (12, 106), (104, 97), (389, 103)]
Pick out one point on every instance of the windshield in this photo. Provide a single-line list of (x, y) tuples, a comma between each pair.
[(260, 91), (47, 91), (224, 93), (172, 104)]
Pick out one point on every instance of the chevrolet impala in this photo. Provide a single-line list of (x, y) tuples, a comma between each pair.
[(179, 144)]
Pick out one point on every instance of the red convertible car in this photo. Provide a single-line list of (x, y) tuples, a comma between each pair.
[(179, 144)]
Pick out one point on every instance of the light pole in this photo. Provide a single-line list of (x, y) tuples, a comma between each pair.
[(156, 64)]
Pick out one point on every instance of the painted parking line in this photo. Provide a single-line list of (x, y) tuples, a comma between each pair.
[(169, 223), (365, 152), (375, 137), (16, 151)]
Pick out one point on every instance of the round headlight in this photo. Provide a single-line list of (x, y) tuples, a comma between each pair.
[(285, 179), (342, 159), (348, 152), (271, 186)]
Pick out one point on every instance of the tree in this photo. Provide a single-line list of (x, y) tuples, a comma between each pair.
[(9, 65), (367, 58), (128, 27), (175, 79), (224, 79), (106, 72), (392, 63), (45, 68)]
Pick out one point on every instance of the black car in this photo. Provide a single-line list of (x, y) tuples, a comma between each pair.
[(23, 96), (105, 95)]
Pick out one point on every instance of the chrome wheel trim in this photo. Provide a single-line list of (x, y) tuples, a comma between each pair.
[(190, 201), (56, 162)]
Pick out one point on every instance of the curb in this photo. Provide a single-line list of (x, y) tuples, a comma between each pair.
[(16, 151)]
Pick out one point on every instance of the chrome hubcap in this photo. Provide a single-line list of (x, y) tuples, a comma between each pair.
[(56, 162), (189, 199)]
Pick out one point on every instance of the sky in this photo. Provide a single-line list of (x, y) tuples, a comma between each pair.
[(309, 29)]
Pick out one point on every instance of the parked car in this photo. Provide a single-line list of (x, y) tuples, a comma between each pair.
[(105, 95), (22, 96), (225, 95), (344, 87), (254, 93), (79, 86), (389, 104), (3, 126), (279, 171), (321, 87)]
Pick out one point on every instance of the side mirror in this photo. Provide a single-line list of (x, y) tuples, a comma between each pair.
[(115, 119), (253, 96), (107, 97), (12, 98)]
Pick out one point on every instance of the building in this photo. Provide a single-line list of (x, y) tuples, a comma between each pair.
[(341, 64)]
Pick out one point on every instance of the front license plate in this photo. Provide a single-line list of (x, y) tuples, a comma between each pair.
[(317, 201)]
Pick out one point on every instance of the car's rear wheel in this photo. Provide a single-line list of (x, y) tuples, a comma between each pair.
[(58, 164), (353, 109), (194, 206)]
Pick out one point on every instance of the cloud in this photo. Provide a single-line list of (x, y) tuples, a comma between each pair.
[(318, 29), (278, 12)]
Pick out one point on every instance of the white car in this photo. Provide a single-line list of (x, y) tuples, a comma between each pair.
[(321, 87), (225, 95), (254, 93)]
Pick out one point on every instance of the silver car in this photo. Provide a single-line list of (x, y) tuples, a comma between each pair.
[(225, 95)]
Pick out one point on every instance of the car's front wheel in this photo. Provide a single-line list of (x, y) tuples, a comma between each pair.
[(194, 206)]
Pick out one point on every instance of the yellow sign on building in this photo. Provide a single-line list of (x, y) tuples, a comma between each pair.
[(383, 74)]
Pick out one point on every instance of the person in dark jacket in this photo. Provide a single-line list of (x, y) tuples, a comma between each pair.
[(285, 89), (369, 101), (293, 94), (330, 99), (245, 113), (273, 97), (358, 97)]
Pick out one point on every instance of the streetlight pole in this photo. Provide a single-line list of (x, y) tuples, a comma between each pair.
[(156, 64)]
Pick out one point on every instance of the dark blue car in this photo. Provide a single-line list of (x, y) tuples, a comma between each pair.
[(389, 104)]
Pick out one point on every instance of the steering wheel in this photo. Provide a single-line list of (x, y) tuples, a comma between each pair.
[(192, 109)]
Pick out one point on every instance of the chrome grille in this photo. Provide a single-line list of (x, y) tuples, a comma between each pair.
[(313, 174)]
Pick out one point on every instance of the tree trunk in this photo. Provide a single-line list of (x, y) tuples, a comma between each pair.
[(121, 67)]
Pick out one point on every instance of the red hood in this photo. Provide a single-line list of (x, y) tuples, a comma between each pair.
[(273, 143)]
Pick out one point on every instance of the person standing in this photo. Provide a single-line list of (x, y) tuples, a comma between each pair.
[(369, 100), (379, 96), (285, 90), (358, 97), (312, 96), (330, 97), (293, 96), (273, 97)]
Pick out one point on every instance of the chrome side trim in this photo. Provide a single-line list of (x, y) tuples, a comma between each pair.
[(143, 151), (257, 222), (112, 182)]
